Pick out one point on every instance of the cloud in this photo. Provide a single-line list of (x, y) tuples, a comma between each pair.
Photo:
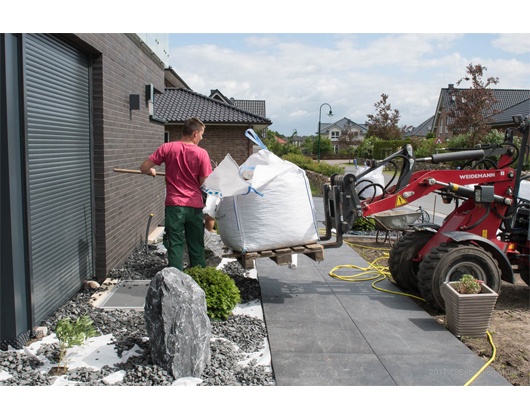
[(513, 43), (296, 73)]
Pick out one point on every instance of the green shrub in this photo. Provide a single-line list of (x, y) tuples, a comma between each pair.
[(327, 169), (303, 162), (73, 333), (222, 294), (306, 163), (424, 147), (363, 224)]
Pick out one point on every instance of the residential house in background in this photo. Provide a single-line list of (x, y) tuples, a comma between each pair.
[(343, 127), (250, 105), (510, 102), (254, 106), (226, 124), (297, 140), (421, 130)]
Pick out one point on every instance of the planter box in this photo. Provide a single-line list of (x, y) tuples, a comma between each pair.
[(470, 314)]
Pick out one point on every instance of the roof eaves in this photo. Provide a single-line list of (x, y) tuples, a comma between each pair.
[(177, 104)]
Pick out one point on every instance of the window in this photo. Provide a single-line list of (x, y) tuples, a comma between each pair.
[(334, 135)]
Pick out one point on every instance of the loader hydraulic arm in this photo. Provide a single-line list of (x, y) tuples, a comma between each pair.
[(343, 205)]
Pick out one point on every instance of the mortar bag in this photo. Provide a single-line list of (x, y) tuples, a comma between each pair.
[(224, 179), (228, 179), (369, 181), (277, 211), (524, 190)]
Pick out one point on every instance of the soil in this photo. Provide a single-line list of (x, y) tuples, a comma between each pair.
[(509, 326)]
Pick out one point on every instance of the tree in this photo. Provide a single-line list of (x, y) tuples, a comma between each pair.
[(326, 147), (384, 123), (307, 145), (472, 109), (349, 137)]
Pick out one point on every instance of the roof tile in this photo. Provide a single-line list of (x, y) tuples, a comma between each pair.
[(179, 104)]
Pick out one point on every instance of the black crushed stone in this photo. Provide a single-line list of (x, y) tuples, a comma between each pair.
[(232, 340)]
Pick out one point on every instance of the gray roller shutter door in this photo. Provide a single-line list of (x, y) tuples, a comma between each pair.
[(59, 171)]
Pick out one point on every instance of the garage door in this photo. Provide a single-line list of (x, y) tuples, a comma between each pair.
[(59, 171)]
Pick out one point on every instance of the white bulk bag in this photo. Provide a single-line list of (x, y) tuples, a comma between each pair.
[(524, 190), (366, 184), (271, 209)]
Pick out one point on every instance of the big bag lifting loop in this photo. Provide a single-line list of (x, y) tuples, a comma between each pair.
[(251, 135)]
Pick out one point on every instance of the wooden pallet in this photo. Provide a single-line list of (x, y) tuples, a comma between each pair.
[(281, 256)]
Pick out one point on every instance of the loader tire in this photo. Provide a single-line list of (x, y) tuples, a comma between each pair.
[(403, 269), (447, 262)]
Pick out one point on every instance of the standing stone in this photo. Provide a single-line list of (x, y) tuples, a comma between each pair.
[(177, 323)]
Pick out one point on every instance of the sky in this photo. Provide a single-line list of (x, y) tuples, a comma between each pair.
[(296, 73), (297, 55)]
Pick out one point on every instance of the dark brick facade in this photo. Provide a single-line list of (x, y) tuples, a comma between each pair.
[(122, 66), (219, 140)]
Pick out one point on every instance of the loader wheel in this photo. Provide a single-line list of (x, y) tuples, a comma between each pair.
[(447, 262), (400, 262)]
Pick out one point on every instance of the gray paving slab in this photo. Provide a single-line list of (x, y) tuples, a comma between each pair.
[(330, 369), (127, 294), (312, 338), (440, 370), (327, 331)]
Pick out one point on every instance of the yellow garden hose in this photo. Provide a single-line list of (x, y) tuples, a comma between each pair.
[(487, 363), (378, 273)]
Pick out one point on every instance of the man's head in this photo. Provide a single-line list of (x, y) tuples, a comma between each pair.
[(191, 126)]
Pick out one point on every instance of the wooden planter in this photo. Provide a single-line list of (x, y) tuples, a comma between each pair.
[(470, 314)]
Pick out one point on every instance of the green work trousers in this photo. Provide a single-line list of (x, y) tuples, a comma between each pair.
[(184, 225)]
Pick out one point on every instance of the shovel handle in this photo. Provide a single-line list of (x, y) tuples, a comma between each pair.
[(135, 171)]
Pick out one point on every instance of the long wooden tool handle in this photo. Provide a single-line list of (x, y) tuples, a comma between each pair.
[(135, 171)]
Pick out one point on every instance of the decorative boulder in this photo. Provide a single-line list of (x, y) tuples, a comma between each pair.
[(177, 324)]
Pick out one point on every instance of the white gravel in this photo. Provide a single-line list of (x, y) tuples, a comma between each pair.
[(120, 355)]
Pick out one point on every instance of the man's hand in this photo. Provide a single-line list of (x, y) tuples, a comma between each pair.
[(148, 168)]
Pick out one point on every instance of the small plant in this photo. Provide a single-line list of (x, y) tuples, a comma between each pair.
[(363, 224), (468, 285), (222, 294), (72, 333)]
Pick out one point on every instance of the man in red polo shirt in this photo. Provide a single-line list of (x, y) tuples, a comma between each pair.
[(187, 166)]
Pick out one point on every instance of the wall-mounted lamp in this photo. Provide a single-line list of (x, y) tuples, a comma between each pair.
[(134, 102)]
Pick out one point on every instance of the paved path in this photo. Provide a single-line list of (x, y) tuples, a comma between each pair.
[(327, 331)]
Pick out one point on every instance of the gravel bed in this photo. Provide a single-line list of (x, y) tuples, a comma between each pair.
[(233, 341)]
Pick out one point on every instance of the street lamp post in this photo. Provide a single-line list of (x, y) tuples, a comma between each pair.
[(292, 135), (330, 114)]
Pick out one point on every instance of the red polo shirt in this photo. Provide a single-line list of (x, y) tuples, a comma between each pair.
[(185, 164)]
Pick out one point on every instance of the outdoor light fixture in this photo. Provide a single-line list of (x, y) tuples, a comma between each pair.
[(134, 102), (330, 114)]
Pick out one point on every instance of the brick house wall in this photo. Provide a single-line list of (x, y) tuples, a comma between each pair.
[(219, 140), (121, 66)]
